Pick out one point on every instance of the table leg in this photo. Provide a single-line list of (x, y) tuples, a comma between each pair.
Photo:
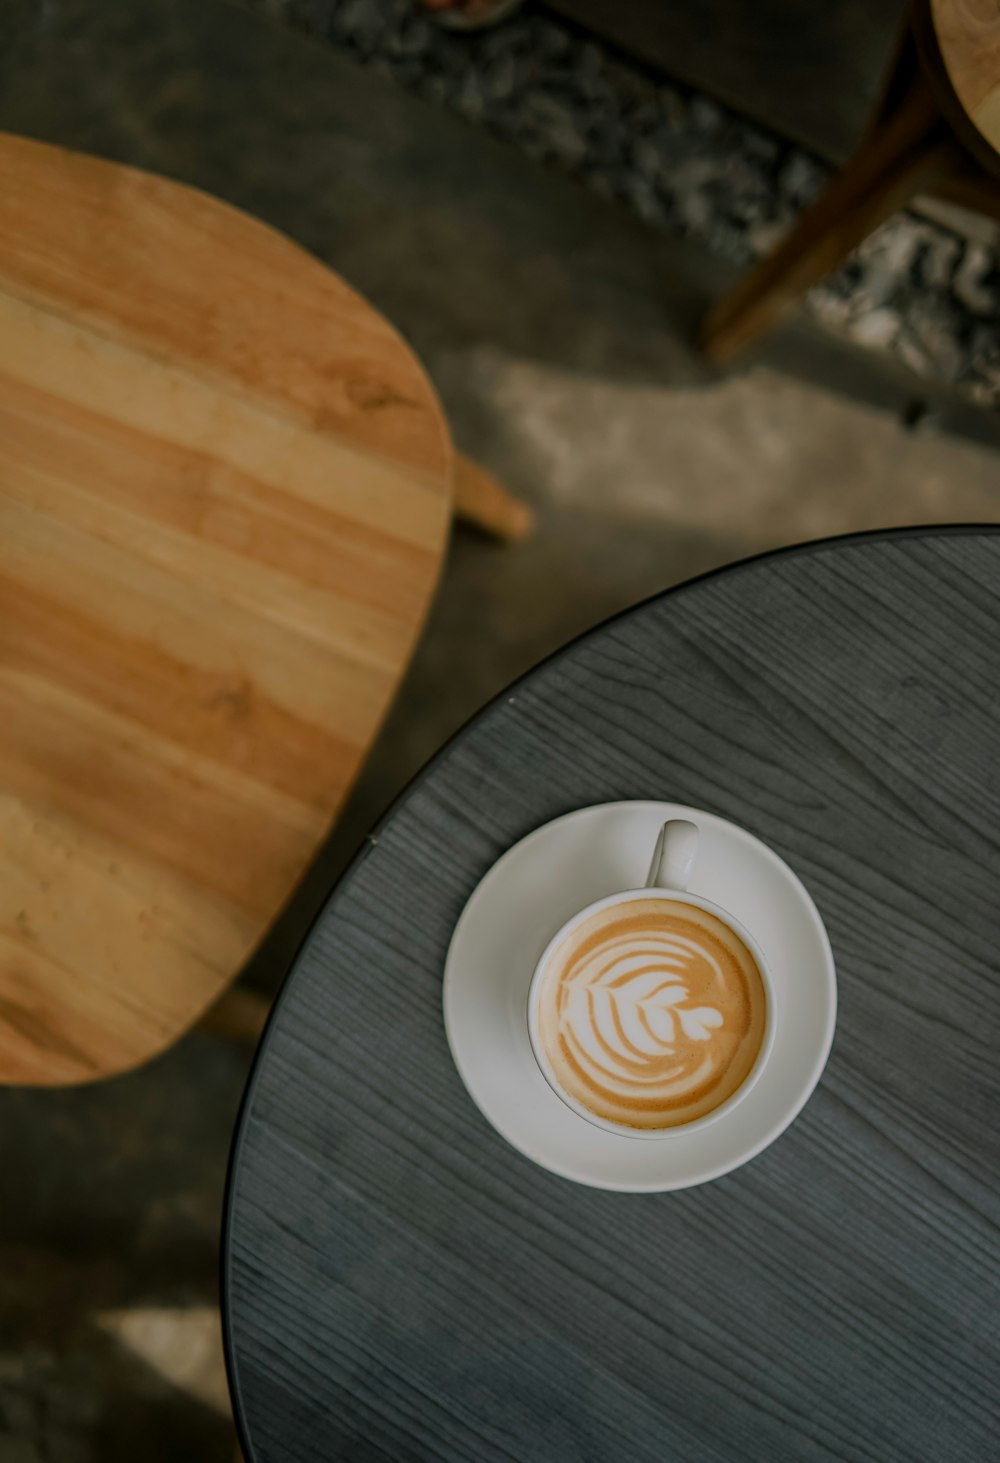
[(482, 500), (239, 1015)]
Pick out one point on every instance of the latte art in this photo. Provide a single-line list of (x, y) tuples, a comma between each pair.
[(651, 1012)]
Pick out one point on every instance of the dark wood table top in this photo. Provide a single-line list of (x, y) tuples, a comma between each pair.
[(399, 1284)]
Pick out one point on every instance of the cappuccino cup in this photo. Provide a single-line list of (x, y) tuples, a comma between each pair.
[(651, 1012)]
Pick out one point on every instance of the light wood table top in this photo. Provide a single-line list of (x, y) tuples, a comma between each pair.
[(224, 499), (401, 1284)]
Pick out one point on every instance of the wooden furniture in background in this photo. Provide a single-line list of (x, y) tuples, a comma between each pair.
[(960, 44), (936, 131), (225, 494), (481, 499)]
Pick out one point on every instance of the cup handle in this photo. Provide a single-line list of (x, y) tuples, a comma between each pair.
[(673, 856)]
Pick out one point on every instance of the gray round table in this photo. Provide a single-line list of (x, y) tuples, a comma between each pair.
[(399, 1284)]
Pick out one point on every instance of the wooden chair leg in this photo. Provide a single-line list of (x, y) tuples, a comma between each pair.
[(909, 152), (481, 500), (238, 1015)]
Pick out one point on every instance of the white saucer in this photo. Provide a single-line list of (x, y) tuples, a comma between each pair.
[(533, 889)]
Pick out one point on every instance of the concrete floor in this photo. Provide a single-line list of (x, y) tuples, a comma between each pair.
[(777, 61), (557, 331)]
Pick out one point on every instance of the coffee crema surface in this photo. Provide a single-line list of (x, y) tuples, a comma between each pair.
[(651, 1012)]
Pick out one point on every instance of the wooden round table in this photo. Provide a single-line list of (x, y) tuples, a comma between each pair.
[(398, 1283)]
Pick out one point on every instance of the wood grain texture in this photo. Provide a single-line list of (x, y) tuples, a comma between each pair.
[(224, 498), (398, 1283)]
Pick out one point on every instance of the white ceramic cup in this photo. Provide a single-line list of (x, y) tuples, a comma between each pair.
[(669, 872)]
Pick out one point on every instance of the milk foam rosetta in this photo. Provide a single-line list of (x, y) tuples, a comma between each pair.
[(651, 1012)]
